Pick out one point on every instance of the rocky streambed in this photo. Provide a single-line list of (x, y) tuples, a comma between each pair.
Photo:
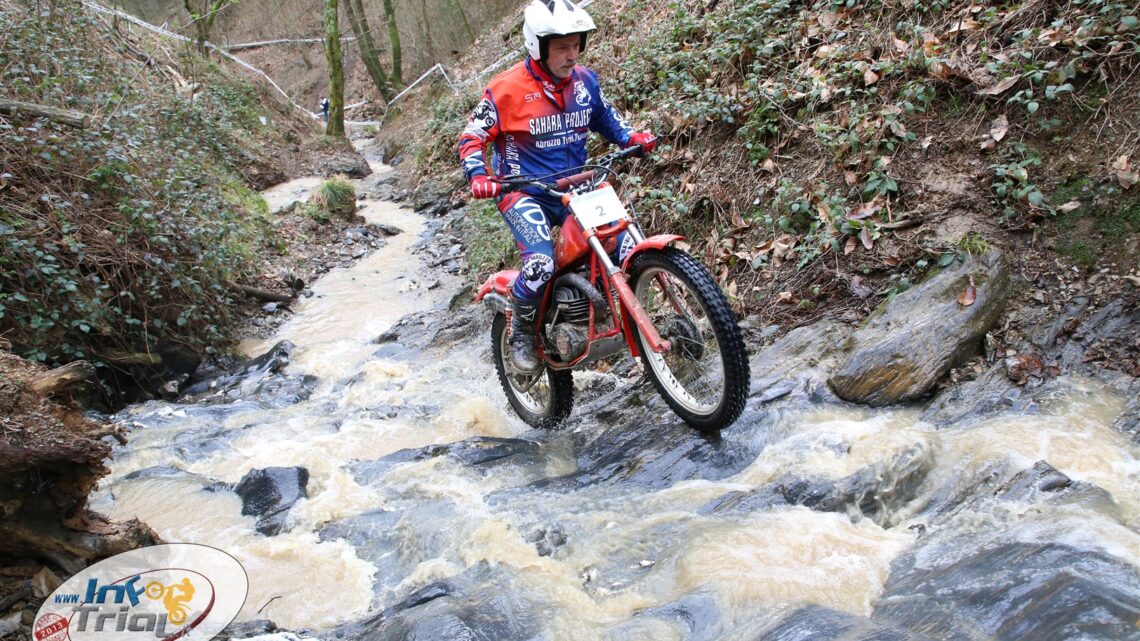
[(368, 474)]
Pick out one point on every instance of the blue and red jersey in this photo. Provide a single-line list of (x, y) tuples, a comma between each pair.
[(536, 126)]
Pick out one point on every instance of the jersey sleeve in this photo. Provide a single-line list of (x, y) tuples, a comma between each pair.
[(606, 119), (482, 128)]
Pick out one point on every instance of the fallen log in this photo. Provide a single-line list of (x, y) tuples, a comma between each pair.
[(62, 379), (263, 294), (118, 357), (68, 117)]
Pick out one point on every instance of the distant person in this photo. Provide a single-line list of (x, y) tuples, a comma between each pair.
[(536, 115), (325, 109)]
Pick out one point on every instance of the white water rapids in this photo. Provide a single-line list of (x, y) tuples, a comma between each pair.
[(767, 560)]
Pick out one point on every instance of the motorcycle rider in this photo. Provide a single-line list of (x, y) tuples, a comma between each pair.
[(537, 115)]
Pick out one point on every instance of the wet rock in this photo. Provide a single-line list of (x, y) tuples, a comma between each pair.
[(396, 541), (547, 540), (433, 197), (990, 394), (797, 364), (347, 164), (479, 451), (269, 493), (1014, 591), (817, 623), (247, 629), (900, 354), (478, 604), (388, 230), (171, 472), (653, 455), (694, 617), (877, 491)]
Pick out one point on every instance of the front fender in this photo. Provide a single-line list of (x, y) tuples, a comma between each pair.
[(660, 241), (499, 282)]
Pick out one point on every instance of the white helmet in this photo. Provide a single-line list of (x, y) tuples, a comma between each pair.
[(546, 19)]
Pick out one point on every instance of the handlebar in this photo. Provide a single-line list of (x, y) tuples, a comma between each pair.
[(514, 183)]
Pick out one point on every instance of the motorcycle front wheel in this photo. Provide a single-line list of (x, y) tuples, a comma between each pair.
[(541, 400), (704, 374)]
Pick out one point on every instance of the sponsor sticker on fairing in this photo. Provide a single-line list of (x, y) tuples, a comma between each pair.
[(165, 592)]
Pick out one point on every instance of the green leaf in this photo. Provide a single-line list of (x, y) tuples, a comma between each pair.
[(1032, 106), (945, 260)]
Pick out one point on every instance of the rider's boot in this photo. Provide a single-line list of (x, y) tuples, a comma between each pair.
[(521, 349)]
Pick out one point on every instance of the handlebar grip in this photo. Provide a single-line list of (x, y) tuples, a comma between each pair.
[(562, 184)]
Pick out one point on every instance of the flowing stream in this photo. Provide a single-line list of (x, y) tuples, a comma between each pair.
[(574, 543)]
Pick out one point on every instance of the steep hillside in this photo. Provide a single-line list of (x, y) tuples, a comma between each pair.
[(822, 157), (122, 235), (431, 31)]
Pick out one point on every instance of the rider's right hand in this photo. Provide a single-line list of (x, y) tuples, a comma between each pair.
[(484, 187)]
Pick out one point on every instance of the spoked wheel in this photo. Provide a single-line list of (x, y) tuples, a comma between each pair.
[(704, 374), (543, 399)]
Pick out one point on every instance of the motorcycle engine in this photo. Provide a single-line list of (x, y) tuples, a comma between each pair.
[(569, 331)]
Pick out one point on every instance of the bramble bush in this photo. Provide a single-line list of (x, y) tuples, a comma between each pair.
[(128, 233)]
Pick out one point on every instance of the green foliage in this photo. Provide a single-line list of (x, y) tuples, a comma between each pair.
[(335, 197), (1015, 192), (973, 244), (129, 232), (490, 246)]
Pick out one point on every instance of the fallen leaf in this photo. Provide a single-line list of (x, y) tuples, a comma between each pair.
[(1124, 172), (858, 288), (870, 77), (784, 297), (865, 238), (851, 245), (824, 211), (764, 247), (1069, 206), (867, 209), (1000, 128), (927, 141), (850, 178), (968, 295), (988, 144), (828, 20), (999, 87), (1021, 367), (892, 261), (768, 166), (900, 45), (898, 129), (940, 70)]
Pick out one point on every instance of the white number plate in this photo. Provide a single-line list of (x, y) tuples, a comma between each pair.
[(599, 207)]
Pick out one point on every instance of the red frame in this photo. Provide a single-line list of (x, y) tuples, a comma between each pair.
[(569, 252)]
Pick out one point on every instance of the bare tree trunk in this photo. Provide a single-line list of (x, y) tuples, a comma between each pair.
[(466, 22), (359, 21), (336, 71), (427, 29), (203, 19), (394, 38)]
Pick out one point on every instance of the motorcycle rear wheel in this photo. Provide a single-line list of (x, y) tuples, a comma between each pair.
[(704, 375), (541, 400)]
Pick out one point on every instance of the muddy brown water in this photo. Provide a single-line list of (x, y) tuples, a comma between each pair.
[(621, 549)]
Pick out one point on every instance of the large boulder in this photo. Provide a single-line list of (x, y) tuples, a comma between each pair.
[(901, 353), (269, 493)]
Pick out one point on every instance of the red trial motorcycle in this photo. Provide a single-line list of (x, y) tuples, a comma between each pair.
[(661, 304)]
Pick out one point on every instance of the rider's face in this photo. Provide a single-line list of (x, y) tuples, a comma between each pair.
[(563, 55)]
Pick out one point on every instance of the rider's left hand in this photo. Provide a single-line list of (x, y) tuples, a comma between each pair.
[(644, 138)]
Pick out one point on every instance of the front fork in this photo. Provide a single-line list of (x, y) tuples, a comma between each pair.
[(625, 293)]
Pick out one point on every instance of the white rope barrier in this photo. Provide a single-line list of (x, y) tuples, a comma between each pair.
[(437, 68)]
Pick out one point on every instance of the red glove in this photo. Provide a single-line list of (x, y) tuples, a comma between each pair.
[(484, 187), (644, 138)]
